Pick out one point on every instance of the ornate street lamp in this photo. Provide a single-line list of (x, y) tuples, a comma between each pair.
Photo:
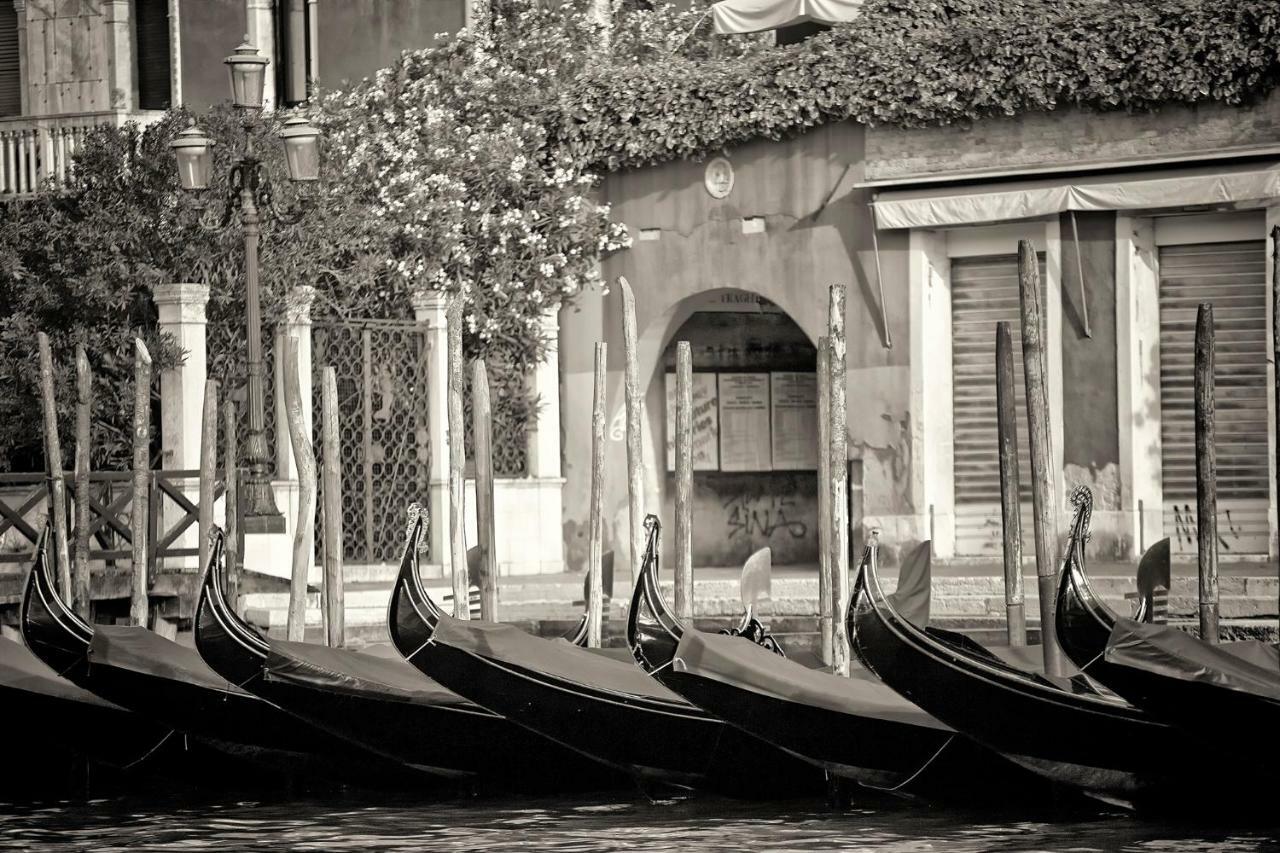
[(249, 188)]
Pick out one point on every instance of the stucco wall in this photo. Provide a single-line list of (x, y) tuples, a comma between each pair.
[(817, 232), (1070, 137), (357, 37), (211, 30)]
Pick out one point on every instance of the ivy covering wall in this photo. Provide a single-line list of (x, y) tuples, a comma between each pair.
[(917, 63)]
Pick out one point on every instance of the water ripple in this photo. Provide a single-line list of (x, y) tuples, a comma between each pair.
[(697, 825)]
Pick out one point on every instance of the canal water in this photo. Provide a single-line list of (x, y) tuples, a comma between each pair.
[(689, 826)]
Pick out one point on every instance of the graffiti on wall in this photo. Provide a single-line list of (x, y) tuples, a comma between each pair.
[(754, 514)]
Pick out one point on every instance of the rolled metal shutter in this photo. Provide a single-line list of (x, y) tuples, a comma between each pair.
[(10, 63), (1231, 276), (984, 291), (155, 90)]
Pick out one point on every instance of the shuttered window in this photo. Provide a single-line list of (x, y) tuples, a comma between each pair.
[(984, 291), (10, 62), (152, 21), (1232, 277)]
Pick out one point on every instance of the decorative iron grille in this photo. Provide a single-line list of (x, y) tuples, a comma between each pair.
[(384, 443)]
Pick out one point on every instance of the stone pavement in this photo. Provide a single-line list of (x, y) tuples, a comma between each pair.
[(966, 595)]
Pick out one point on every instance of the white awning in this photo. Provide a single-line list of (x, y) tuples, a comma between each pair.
[(1214, 184), (754, 16)]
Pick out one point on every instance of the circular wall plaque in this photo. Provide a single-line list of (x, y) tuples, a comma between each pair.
[(718, 178)]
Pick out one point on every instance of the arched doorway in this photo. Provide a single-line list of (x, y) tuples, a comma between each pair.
[(755, 430)]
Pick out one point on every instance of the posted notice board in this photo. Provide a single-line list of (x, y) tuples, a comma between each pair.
[(744, 422), (706, 423), (794, 427)]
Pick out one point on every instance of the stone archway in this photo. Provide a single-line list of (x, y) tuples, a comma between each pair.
[(755, 390)]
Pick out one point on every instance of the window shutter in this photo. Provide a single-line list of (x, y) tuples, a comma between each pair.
[(10, 62), (152, 22)]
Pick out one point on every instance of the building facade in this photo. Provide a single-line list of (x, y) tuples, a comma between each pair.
[(1136, 219)]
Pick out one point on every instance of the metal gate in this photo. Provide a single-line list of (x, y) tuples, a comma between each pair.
[(384, 441), (984, 291), (1231, 276)]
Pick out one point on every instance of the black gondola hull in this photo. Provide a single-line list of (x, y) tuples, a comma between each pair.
[(650, 739)]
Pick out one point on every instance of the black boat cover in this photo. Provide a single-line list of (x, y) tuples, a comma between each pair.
[(747, 666), (1168, 651), (343, 670), (556, 658), (22, 670), (915, 575), (138, 650)]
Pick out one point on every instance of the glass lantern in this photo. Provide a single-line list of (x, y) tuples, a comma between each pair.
[(248, 76), (195, 163), (301, 149)]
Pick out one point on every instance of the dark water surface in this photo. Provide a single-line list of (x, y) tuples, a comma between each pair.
[(694, 825)]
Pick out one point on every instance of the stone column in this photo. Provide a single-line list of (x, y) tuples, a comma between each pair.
[(175, 52), (24, 77), (430, 309), (530, 510), (182, 315), (297, 324), (121, 69), (260, 20), (544, 438)]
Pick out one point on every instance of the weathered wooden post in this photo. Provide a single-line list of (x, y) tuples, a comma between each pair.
[(53, 462), (304, 460), (1010, 500), (684, 482), (208, 466), (82, 580), (826, 598), (482, 445), (334, 596), (1275, 343), (457, 466), (138, 602), (634, 402), (1044, 494), (231, 517), (1206, 476), (839, 482), (595, 557)]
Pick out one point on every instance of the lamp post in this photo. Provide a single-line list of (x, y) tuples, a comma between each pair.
[(250, 189)]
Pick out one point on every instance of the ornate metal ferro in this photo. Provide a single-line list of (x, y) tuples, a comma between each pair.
[(754, 630)]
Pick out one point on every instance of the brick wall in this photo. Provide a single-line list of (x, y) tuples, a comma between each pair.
[(1070, 136)]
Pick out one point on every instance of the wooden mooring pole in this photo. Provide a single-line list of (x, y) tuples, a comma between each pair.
[(457, 465), (482, 438), (1206, 476), (1010, 500), (82, 578), (1044, 494), (231, 518), (138, 602), (634, 401), (53, 464), (304, 459), (208, 466), (825, 596), (595, 556), (684, 482), (839, 481), (1275, 344), (330, 453)]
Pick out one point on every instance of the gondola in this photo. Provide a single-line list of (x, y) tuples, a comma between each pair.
[(604, 708), (66, 741), (382, 704), (236, 736), (1063, 729), (1166, 671), (855, 728)]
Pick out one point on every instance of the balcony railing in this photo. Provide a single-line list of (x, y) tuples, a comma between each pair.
[(37, 152)]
